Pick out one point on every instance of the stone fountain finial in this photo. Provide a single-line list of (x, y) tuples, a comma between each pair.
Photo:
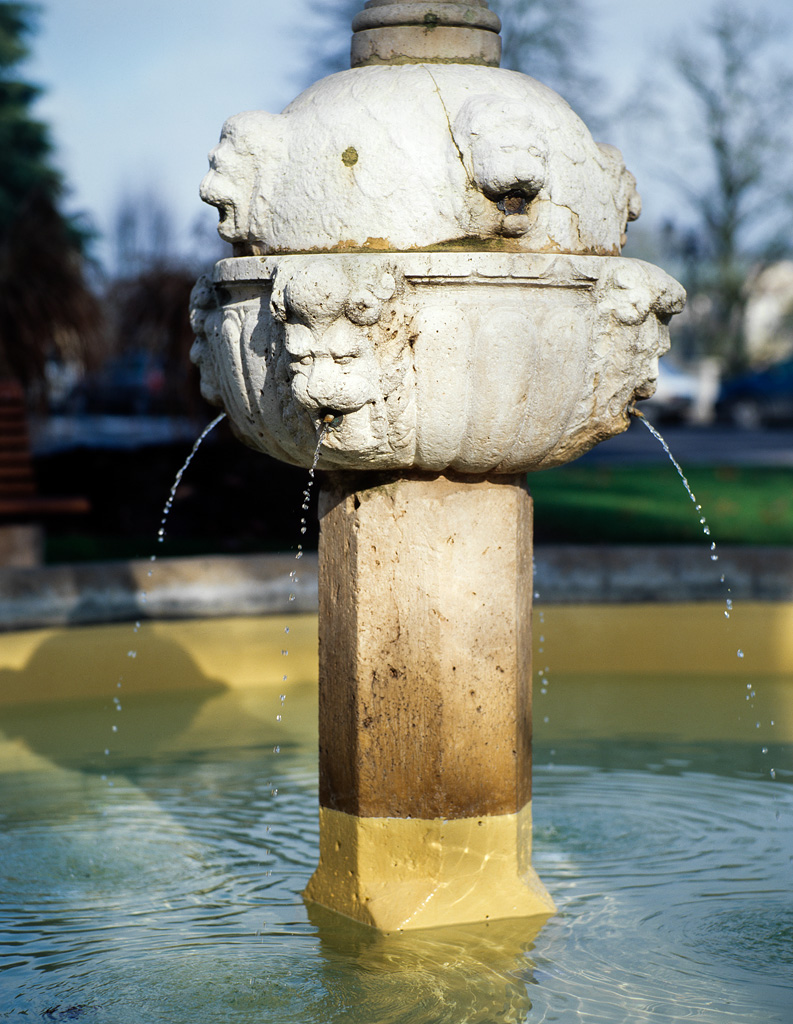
[(426, 32)]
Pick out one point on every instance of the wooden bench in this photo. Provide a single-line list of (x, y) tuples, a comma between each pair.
[(21, 506)]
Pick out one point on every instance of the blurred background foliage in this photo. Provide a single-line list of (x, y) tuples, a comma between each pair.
[(86, 339)]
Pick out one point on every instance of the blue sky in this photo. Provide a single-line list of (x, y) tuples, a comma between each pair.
[(137, 91)]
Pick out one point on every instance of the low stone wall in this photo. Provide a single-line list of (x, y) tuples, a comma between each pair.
[(627, 574), (178, 588), (181, 588)]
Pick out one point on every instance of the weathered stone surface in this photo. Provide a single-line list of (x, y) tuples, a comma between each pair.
[(425, 647), (399, 874), (417, 156), (475, 362)]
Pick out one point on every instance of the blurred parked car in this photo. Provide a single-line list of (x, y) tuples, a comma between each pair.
[(132, 384), (675, 395), (758, 399)]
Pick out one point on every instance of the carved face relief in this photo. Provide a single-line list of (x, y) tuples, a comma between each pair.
[(206, 320), (637, 301), (338, 359), (242, 168), (508, 155), (627, 200)]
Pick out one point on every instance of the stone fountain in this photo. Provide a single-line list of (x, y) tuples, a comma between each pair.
[(427, 296)]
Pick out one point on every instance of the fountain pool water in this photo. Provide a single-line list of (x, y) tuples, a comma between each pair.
[(171, 890)]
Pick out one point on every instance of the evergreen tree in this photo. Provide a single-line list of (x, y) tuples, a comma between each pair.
[(46, 309), (25, 147)]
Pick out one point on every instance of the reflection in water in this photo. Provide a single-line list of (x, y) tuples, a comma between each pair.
[(474, 972), (175, 896), (77, 732)]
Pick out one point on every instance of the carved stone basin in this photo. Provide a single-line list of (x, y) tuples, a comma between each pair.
[(473, 362)]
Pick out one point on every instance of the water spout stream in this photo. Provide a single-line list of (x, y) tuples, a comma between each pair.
[(728, 603), (293, 576), (178, 479)]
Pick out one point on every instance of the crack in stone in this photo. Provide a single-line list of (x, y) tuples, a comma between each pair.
[(471, 182)]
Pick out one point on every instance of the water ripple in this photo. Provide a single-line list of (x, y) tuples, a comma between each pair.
[(176, 896)]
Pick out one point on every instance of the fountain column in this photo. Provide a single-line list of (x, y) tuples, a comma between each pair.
[(425, 700)]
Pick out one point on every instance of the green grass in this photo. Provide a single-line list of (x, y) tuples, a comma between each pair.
[(648, 505), (572, 504)]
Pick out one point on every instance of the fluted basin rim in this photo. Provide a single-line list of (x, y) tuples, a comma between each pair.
[(564, 269)]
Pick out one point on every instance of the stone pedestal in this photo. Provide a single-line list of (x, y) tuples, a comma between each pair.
[(425, 700)]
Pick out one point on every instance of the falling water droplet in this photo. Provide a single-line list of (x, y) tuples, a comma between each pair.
[(114, 728), (739, 652), (278, 718), (765, 750), (772, 773), (276, 750)]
